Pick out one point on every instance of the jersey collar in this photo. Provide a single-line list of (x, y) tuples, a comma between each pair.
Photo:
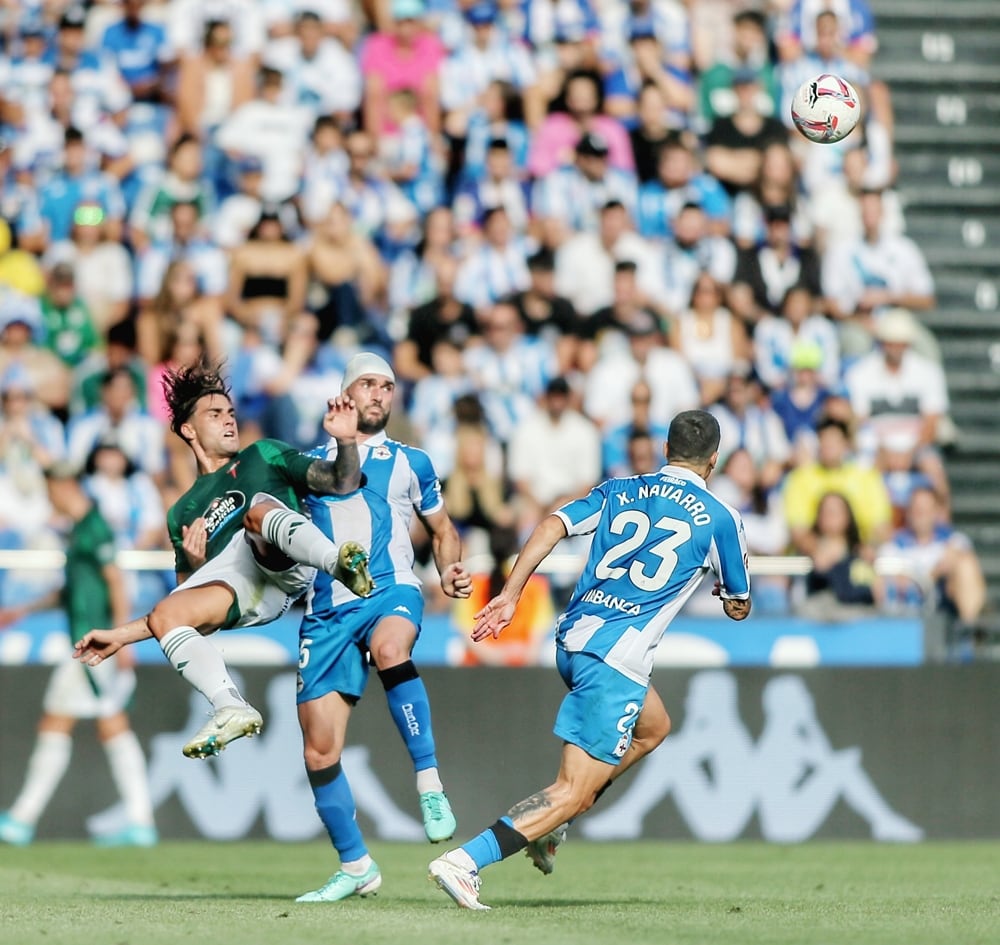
[(680, 472), (376, 439)]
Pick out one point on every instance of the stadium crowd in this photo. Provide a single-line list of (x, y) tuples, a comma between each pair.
[(562, 220)]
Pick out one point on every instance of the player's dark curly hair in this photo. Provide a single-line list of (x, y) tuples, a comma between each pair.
[(184, 387)]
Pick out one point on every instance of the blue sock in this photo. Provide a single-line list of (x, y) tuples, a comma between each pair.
[(411, 711), (495, 843), (335, 806)]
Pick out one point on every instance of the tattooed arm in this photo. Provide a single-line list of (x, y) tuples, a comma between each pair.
[(343, 474)]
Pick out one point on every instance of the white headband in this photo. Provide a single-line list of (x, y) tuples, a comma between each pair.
[(365, 363)]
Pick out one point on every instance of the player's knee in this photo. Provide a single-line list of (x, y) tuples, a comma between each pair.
[(319, 757), (658, 730), (253, 521), (389, 652)]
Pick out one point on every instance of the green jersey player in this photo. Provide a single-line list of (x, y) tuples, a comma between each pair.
[(243, 550)]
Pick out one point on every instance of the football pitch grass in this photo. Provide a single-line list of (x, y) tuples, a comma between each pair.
[(646, 892)]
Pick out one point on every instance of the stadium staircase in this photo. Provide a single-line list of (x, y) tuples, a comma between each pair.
[(941, 59)]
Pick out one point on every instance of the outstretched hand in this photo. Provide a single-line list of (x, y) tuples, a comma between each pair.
[(456, 580), (96, 646), (194, 540), (494, 618), (341, 418)]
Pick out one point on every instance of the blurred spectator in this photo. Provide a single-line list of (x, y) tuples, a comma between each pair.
[(609, 385), (239, 212), (414, 275), (878, 271), (31, 439), (577, 112), (499, 117), (935, 556), (20, 329), (118, 351), (348, 278), (182, 182), (642, 453), (269, 128), (778, 184), (547, 314), (680, 181), (895, 391), (624, 450), (67, 325), (842, 572), (78, 183), (585, 263), (710, 338), (444, 316), (510, 370), (500, 185), (409, 153), (187, 243), (320, 74), (693, 250), (142, 52), (127, 497), (775, 337), (475, 490), (651, 133), (404, 54), (178, 302), (489, 55), (735, 143), (268, 275), (19, 269), (377, 206), (554, 456), (776, 265), (569, 199), (803, 400), (432, 403), (498, 267), (102, 267), (747, 422), (118, 415), (834, 471), (748, 51), (897, 460), (609, 327), (188, 20), (212, 83), (739, 485), (798, 30)]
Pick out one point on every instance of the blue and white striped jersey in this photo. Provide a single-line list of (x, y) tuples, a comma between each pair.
[(401, 480), (655, 538)]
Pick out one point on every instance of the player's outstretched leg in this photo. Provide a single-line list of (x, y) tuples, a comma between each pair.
[(295, 536), (410, 708)]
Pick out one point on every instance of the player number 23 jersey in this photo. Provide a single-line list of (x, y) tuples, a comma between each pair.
[(655, 538)]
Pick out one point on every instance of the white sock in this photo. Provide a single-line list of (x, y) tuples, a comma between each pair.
[(46, 767), (297, 537), (459, 857), (128, 770), (428, 780), (202, 665), (357, 867)]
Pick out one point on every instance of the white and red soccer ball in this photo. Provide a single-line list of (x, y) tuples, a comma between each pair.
[(826, 109)]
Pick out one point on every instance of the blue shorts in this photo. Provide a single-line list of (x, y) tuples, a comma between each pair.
[(600, 709), (333, 647)]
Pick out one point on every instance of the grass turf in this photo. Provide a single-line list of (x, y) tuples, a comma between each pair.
[(746, 893)]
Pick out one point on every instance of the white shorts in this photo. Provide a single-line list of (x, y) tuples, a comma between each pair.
[(262, 595), (89, 692)]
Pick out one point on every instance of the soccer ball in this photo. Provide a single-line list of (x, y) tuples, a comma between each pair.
[(826, 109)]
